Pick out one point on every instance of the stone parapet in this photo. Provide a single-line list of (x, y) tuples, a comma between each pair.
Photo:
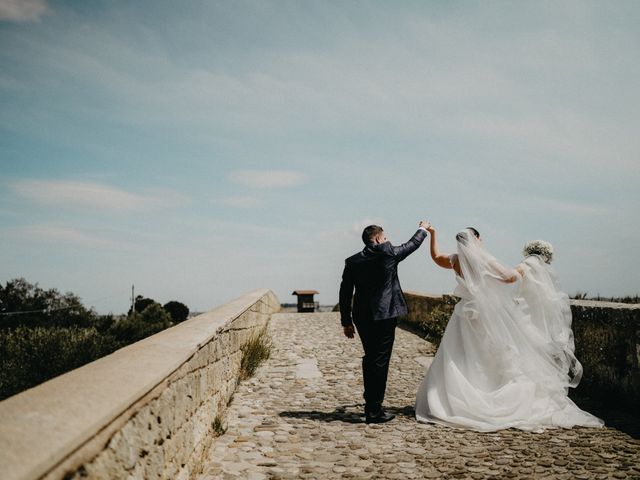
[(145, 411)]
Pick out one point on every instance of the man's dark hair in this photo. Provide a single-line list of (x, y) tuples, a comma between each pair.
[(371, 232)]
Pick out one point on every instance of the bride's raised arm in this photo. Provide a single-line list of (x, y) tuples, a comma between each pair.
[(441, 259)]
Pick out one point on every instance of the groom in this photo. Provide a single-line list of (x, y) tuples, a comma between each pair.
[(377, 304)]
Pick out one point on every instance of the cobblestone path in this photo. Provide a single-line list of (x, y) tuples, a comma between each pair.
[(300, 417)]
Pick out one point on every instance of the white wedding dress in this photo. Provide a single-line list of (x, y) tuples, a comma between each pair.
[(495, 368)]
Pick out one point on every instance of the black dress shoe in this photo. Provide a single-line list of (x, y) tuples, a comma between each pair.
[(380, 417)]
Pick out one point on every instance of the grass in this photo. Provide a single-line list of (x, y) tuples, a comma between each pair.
[(254, 352), (218, 428)]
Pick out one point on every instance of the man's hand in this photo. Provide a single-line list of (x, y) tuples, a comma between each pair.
[(426, 225), (349, 331)]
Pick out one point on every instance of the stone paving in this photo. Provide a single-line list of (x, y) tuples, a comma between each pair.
[(300, 417)]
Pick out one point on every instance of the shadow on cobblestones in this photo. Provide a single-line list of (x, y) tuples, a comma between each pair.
[(340, 414), (344, 413)]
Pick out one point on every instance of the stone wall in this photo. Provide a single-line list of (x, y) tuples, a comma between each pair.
[(146, 411), (428, 314), (607, 342), (608, 346)]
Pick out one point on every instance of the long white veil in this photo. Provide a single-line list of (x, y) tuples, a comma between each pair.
[(550, 311), (520, 347)]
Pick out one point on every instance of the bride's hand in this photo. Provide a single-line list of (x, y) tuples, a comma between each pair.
[(427, 225)]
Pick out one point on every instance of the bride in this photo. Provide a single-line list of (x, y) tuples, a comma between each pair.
[(495, 368)]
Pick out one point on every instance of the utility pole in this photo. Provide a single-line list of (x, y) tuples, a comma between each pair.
[(133, 301)]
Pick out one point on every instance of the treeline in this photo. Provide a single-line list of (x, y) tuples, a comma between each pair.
[(44, 333), (599, 298)]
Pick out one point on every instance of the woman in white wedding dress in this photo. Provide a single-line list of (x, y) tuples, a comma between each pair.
[(494, 368)]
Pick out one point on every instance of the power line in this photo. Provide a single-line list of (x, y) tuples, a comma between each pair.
[(49, 310)]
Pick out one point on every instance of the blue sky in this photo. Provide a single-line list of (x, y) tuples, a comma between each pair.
[(203, 149)]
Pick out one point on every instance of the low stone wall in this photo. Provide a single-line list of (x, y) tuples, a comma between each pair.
[(606, 334), (607, 339), (146, 411), (428, 314)]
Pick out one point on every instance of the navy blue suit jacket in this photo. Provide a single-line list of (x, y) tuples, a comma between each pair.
[(373, 273)]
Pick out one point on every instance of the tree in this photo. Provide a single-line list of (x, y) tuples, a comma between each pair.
[(156, 315), (33, 306), (141, 303), (178, 311), (140, 325)]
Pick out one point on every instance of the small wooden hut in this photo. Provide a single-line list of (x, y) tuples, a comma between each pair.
[(306, 303)]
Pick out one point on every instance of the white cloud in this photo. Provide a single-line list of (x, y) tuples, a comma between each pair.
[(89, 195), (455, 82), (22, 10), (240, 201), (68, 236), (268, 178)]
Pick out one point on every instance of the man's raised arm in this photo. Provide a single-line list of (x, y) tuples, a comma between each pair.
[(403, 251)]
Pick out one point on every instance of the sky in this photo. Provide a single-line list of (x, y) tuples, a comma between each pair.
[(199, 150)]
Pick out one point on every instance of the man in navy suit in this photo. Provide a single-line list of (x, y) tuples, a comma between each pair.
[(377, 304)]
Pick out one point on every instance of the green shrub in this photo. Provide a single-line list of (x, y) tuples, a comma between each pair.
[(435, 322), (29, 356), (153, 319), (254, 352), (32, 355), (35, 347)]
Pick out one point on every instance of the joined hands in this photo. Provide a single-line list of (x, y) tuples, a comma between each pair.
[(426, 225)]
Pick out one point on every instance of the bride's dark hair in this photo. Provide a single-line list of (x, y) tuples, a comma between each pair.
[(460, 237), (475, 232)]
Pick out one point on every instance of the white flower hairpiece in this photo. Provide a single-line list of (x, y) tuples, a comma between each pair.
[(539, 247)]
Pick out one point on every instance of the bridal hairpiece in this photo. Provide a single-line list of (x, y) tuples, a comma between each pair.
[(539, 247)]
